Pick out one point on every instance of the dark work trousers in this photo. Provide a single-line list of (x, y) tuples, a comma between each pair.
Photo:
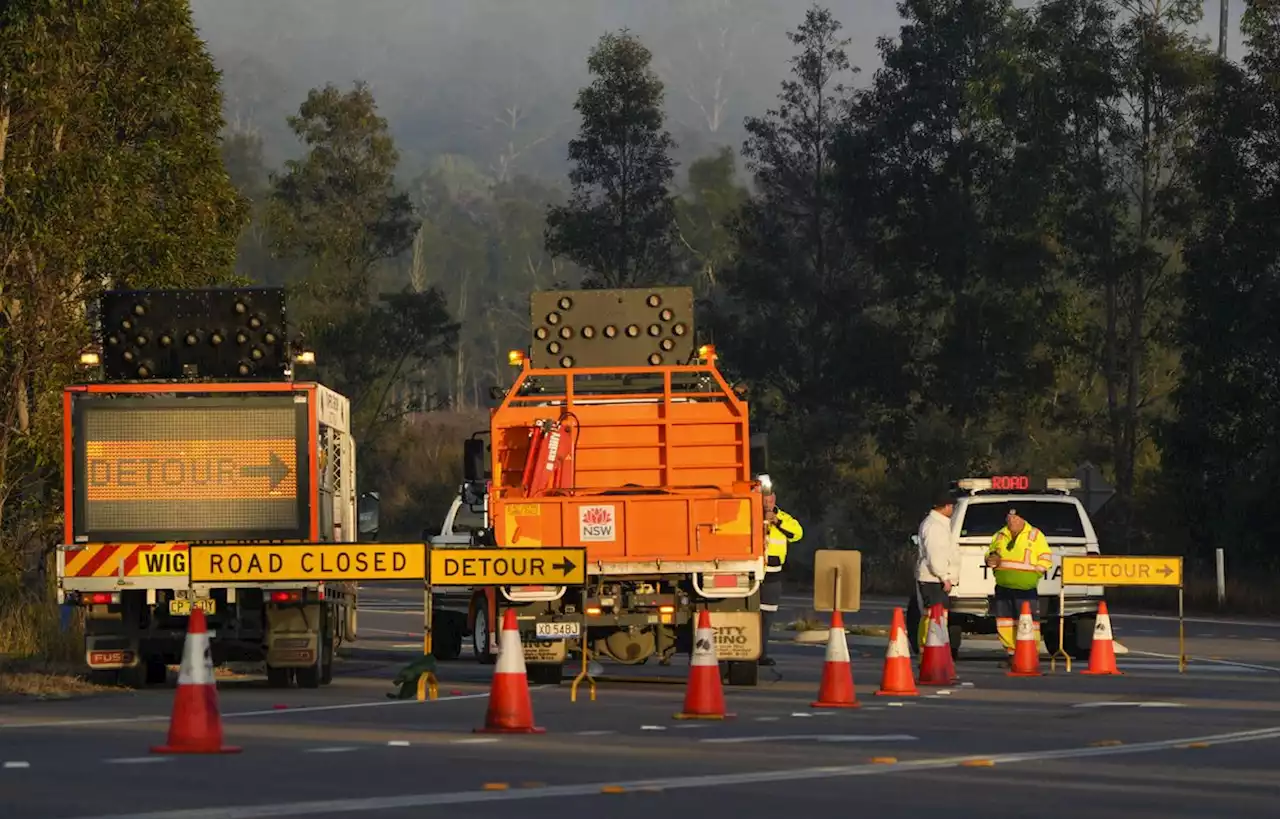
[(927, 596), (770, 598), (1008, 605)]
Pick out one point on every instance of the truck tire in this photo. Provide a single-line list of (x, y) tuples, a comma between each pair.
[(743, 673), (955, 636), (278, 677), (1078, 640), (446, 643), (157, 672), (545, 674), (480, 637)]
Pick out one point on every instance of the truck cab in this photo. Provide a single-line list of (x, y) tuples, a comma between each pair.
[(1047, 505)]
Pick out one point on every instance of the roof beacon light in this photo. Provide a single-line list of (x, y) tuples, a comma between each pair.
[(90, 359), (515, 358), (305, 357), (1063, 484), (974, 484), (707, 351)]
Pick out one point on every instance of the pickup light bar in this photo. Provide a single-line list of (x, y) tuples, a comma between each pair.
[(1017, 483)]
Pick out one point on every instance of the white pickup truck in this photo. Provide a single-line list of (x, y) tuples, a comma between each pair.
[(1051, 508)]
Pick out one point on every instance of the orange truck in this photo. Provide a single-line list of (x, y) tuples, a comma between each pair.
[(619, 436), (172, 441)]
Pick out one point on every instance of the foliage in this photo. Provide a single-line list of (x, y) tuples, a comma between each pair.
[(110, 175), (619, 220)]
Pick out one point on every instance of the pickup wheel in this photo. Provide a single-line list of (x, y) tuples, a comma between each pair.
[(157, 671), (446, 642), (480, 636), (743, 673)]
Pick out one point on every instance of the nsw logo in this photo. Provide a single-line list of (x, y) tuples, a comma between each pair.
[(596, 524)]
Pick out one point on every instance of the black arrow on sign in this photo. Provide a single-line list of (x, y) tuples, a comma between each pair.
[(276, 471), (1165, 570), (565, 566)]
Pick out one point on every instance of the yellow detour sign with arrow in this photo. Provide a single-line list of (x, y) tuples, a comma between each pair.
[(542, 566), (1128, 570)]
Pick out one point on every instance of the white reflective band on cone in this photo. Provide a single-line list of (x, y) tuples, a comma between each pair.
[(704, 648), (837, 647), (1026, 628), (898, 647), (197, 664), (1102, 628), (937, 634), (510, 653)]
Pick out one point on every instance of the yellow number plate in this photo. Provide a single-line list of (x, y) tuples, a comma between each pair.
[(182, 607)]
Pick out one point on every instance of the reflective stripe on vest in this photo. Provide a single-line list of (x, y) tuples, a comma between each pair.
[(1022, 559)]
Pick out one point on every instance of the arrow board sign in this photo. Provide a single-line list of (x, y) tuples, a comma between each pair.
[(1128, 570), (508, 567)]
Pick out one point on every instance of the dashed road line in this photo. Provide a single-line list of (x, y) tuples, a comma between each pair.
[(137, 760), (812, 738), (375, 803), (16, 764), (340, 749)]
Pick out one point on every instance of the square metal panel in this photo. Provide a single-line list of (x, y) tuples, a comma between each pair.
[(630, 327), (215, 333)]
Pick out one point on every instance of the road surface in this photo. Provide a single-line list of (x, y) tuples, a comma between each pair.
[(1153, 742)]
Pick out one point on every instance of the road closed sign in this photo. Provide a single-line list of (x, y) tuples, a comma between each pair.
[(307, 562), (508, 567)]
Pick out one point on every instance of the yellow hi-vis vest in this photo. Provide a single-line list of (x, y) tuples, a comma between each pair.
[(786, 530), (1022, 559)]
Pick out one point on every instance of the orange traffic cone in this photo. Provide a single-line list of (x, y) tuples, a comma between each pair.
[(836, 690), (897, 679), (195, 726), (510, 708), (936, 667), (704, 698), (1102, 655), (1026, 652)]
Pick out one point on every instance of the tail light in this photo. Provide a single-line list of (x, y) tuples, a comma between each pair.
[(286, 596), (99, 598)]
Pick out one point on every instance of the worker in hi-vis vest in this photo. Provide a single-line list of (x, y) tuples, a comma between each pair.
[(780, 530), (1019, 556)]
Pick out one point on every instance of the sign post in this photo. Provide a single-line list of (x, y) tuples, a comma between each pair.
[(1118, 570)]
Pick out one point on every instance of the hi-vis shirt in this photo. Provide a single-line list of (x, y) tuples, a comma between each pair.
[(1023, 560), (786, 530)]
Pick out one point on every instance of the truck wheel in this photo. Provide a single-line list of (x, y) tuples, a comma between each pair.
[(743, 673), (308, 677), (157, 671), (955, 635), (326, 663), (544, 674), (278, 677), (446, 643), (480, 637), (1078, 640)]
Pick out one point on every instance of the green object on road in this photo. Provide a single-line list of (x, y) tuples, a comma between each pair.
[(407, 679)]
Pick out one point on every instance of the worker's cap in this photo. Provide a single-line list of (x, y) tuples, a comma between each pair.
[(1010, 510), (943, 497)]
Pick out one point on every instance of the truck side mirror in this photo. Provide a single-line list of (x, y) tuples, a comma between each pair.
[(367, 509), (473, 460)]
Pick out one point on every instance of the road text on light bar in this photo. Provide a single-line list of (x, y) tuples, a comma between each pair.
[(507, 567), (305, 562), (1121, 571)]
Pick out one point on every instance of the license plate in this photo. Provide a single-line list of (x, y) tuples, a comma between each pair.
[(182, 606), (557, 631)]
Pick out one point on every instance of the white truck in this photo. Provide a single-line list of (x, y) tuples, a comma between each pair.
[(1047, 505)]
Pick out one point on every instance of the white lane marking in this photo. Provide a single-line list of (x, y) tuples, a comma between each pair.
[(399, 743), (766, 719), (595, 733), (814, 737), (271, 712), (1195, 660), (472, 741), (653, 728), (337, 749), (137, 760), (1129, 705), (366, 804), (15, 764)]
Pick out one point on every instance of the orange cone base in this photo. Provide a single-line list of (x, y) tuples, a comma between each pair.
[(897, 693), (683, 715), (1024, 674), (532, 729), (835, 705), (193, 749), (1116, 673)]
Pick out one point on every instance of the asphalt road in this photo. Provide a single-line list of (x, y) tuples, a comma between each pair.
[(1151, 743)]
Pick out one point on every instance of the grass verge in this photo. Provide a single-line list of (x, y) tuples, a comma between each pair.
[(38, 657)]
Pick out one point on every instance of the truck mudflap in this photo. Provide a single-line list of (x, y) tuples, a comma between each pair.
[(107, 652), (293, 636)]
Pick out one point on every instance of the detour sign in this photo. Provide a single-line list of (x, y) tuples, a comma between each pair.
[(308, 562), (1097, 570)]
